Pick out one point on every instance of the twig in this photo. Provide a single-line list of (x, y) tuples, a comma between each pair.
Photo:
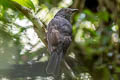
[(69, 68)]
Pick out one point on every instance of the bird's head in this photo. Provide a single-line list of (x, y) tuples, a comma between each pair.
[(66, 13)]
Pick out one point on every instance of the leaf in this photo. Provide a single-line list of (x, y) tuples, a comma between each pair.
[(5, 3), (26, 3), (104, 15), (90, 15), (106, 74), (88, 12), (117, 69)]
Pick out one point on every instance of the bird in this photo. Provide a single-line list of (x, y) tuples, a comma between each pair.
[(59, 38)]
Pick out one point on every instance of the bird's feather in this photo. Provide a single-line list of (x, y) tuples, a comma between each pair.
[(54, 63)]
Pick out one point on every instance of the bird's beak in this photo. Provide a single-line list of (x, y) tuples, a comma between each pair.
[(74, 10)]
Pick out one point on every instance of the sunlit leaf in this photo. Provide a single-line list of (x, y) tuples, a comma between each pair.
[(26, 3)]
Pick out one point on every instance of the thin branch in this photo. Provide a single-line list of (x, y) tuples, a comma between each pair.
[(69, 69)]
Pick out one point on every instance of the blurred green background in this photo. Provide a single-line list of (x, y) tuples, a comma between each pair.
[(94, 52)]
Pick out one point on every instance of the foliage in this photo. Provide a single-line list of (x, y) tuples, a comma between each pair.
[(94, 52), (26, 3)]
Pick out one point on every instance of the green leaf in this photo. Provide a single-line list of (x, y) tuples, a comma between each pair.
[(90, 15), (5, 4), (26, 3), (104, 15), (88, 12), (117, 69)]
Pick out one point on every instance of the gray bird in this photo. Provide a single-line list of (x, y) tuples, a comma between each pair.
[(59, 37)]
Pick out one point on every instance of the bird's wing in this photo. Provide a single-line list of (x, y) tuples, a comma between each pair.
[(53, 39)]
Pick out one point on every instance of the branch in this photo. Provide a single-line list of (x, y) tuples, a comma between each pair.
[(38, 26)]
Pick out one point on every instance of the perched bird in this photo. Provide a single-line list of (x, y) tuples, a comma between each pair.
[(59, 37)]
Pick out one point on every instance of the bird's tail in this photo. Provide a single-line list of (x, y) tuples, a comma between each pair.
[(54, 63)]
